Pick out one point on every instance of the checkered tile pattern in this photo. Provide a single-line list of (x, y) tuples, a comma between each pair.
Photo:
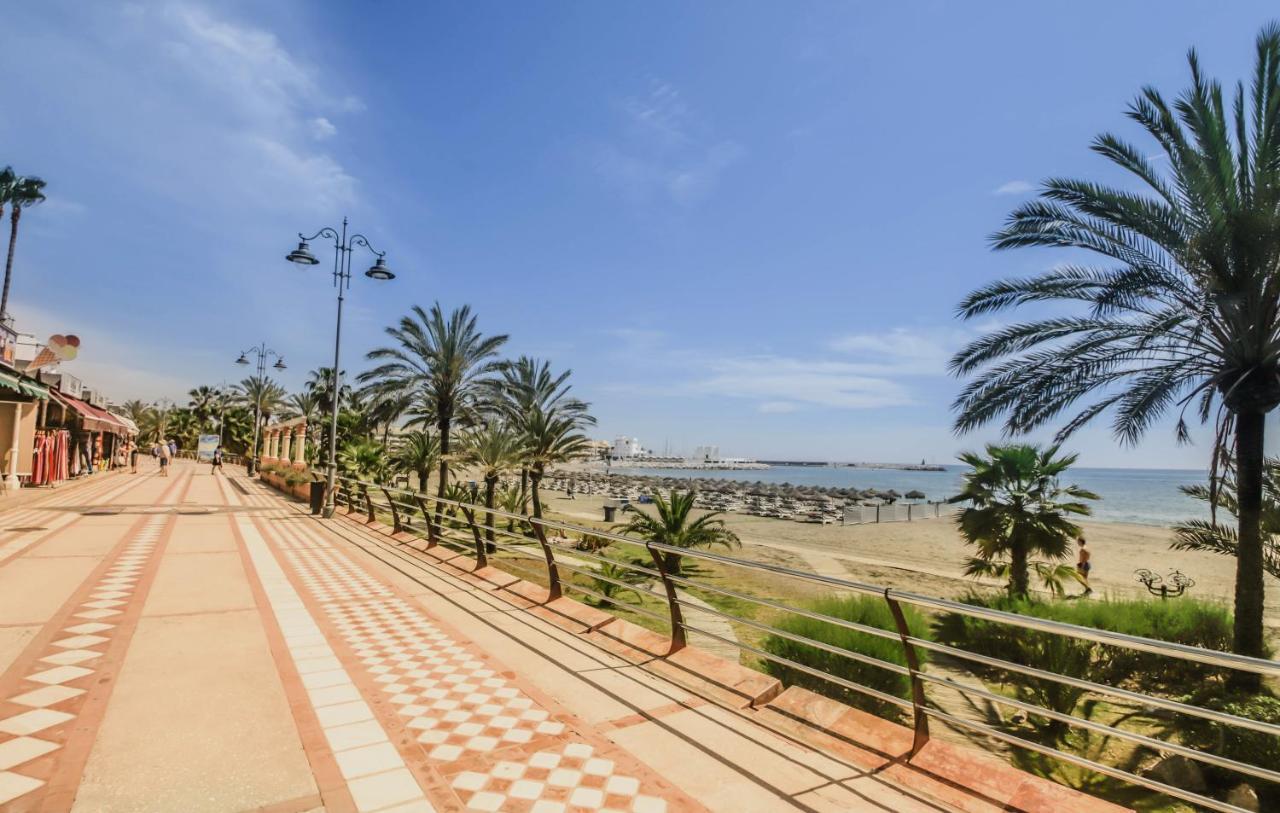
[(553, 781), (510, 753), (70, 659)]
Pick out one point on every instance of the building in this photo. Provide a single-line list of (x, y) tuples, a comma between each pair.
[(625, 447), (21, 401), (595, 450)]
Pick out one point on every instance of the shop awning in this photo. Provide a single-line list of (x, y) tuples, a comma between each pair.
[(94, 419), (128, 423), (23, 386)]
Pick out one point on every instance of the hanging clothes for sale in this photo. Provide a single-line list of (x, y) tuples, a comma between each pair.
[(50, 457)]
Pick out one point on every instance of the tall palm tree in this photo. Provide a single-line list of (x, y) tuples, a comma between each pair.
[(418, 452), (1184, 311), (548, 437), (1217, 537), (672, 525), (526, 385), (20, 192), (494, 449), (363, 459), (1018, 510), (445, 363), (136, 411), (262, 394), (306, 405), (204, 403)]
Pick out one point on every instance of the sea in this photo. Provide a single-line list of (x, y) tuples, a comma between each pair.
[(1140, 496)]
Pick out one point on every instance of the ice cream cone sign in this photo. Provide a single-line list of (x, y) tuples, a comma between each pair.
[(59, 348)]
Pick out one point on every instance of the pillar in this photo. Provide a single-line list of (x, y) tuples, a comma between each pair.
[(271, 444), (300, 445), (283, 436), (11, 474)]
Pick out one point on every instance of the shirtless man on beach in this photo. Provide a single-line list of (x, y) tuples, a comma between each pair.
[(1082, 564)]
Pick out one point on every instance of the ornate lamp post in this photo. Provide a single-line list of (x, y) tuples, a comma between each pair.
[(343, 247), (263, 353)]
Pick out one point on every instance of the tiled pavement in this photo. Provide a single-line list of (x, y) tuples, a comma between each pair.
[(210, 648)]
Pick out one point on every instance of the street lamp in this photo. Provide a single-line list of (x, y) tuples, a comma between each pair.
[(343, 248), (263, 353)]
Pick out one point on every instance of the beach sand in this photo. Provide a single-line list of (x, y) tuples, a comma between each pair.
[(927, 556)]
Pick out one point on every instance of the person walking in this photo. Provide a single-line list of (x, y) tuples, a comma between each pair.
[(165, 455), (217, 460), (1083, 565), (173, 448), (133, 457)]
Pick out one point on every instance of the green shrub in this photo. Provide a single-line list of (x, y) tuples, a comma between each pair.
[(1191, 622), (872, 612), (1242, 745)]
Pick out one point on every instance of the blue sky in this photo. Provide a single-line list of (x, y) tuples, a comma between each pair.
[(740, 224)]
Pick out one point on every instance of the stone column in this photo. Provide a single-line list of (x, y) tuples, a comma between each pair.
[(273, 444), (11, 476), (284, 444), (300, 444)]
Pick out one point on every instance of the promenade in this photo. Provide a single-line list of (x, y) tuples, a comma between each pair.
[(197, 643)]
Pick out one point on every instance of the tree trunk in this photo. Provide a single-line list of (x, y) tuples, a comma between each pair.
[(490, 484), (14, 214), (524, 486), (443, 427), (535, 478), (1249, 570), (1018, 580)]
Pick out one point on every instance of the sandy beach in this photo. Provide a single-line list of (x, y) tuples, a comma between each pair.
[(927, 556)]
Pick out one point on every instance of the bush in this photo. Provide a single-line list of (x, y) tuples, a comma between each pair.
[(873, 612), (1185, 621), (1242, 745)]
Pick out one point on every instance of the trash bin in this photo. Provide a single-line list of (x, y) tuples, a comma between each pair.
[(317, 496), (609, 512)]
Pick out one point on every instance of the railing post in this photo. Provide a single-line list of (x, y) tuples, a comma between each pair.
[(678, 639), (426, 517), (368, 503), (482, 558), (919, 718), (346, 492), (553, 573), (396, 526)]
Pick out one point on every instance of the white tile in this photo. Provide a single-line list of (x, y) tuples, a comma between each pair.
[(648, 804), (384, 789), (343, 714), (86, 629), (72, 656), (370, 759), (486, 801), (470, 780), (47, 696), (589, 798), (355, 735), (97, 614), (319, 680), (307, 666), (23, 749), (13, 785), (622, 785), (525, 789), (60, 674), (79, 641), (328, 695), (29, 722)]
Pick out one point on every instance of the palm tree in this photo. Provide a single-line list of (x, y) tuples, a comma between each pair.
[(418, 452), (1215, 537), (527, 385), (1183, 314), (20, 192), (674, 527), (205, 403), (260, 394), (1018, 510), (493, 449), (136, 411), (305, 405), (364, 460), (444, 363), (549, 437)]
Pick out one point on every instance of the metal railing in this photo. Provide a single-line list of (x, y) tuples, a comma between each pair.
[(543, 549)]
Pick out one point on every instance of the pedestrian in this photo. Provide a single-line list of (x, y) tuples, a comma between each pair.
[(164, 454), (133, 457), (173, 448), (217, 460), (1083, 565)]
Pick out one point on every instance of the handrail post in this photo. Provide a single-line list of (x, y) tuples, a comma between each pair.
[(678, 639), (396, 525), (919, 718), (426, 517), (347, 492), (368, 503), (482, 558), (553, 573)]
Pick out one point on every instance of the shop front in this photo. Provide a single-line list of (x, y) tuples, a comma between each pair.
[(20, 402)]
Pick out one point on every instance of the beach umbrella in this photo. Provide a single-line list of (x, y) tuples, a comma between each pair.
[(915, 495)]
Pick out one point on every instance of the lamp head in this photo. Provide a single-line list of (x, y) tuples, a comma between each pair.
[(279, 365), (302, 255), (379, 271), (242, 359)]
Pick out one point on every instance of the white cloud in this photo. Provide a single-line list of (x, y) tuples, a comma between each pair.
[(778, 407), (1014, 188), (902, 350), (664, 151), (776, 379), (322, 128)]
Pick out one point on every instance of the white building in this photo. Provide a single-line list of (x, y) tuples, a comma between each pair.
[(705, 454), (624, 447)]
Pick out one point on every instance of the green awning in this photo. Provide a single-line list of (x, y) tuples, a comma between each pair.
[(22, 386)]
